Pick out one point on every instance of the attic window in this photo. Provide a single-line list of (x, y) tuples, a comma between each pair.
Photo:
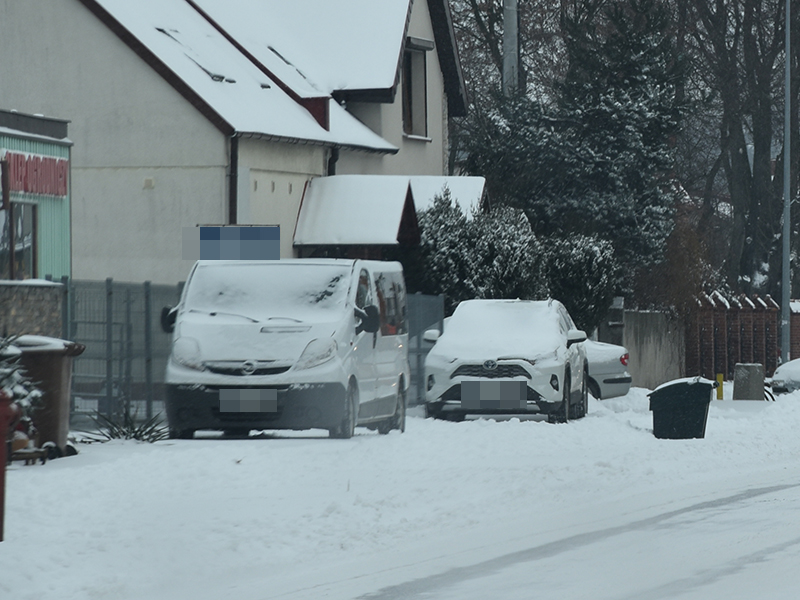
[(415, 103)]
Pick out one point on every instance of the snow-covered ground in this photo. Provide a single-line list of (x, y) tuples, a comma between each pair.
[(596, 508)]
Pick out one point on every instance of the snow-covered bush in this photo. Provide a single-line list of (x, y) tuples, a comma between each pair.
[(489, 255), (582, 273), (14, 381)]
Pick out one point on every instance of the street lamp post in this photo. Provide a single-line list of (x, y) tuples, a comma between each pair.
[(787, 165)]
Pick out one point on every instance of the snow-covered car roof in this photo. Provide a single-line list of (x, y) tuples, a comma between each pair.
[(510, 328)]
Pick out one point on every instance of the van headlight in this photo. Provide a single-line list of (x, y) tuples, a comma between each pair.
[(316, 353), (186, 351)]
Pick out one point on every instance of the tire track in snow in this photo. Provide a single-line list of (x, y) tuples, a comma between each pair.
[(424, 586)]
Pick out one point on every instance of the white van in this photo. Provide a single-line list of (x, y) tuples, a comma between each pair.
[(288, 344)]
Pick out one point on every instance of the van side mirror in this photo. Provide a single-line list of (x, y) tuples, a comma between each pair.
[(431, 335), (575, 336), (168, 316), (370, 319)]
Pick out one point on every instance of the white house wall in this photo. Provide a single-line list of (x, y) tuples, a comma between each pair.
[(416, 156), (145, 162), (272, 178)]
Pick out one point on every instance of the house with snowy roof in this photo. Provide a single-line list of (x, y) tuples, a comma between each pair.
[(187, 112)]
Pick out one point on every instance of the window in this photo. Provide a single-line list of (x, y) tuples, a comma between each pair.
[(392, 303), (415, 109), (18, 241), (363, 296)]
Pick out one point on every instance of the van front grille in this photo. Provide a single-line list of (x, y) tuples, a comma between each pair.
[(241, 368)]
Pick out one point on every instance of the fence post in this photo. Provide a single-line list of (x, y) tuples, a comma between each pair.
[(128, 353), (65, 316), (148, 350), (109, 347)]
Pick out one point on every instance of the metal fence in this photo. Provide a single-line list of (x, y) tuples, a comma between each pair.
[(424, 312), (126, 350), (126, 353)]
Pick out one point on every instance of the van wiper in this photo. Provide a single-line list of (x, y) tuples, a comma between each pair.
[(220, 312)]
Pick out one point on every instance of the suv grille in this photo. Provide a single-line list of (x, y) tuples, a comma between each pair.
[(502, 371)]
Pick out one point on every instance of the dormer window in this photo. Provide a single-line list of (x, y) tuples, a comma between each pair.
[(415, 92)]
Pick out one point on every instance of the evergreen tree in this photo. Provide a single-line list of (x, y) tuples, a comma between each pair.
[(489, 255), (597, 164)]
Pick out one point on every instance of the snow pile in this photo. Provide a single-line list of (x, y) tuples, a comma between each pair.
[(280, 515)]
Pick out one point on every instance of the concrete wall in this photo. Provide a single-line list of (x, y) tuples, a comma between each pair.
[(656, 344), (31, 307), (416, 156), (145, 162)]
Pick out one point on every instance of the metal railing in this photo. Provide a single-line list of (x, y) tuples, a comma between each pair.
[(123, 366)]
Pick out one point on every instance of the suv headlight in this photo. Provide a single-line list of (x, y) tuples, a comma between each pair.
[(186, 351), (316, 353)]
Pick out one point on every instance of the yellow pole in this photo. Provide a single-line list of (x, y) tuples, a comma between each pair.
[(720, 379)]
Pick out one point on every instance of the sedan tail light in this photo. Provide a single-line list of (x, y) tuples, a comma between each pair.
[(624, 359)]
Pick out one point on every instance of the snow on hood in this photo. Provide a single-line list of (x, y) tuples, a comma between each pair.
[(219, 338), (482, 329)]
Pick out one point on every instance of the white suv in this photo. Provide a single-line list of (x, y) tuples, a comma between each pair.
[(507, 357)]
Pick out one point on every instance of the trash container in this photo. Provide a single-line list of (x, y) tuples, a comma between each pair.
[(680, 408), (47, 362)]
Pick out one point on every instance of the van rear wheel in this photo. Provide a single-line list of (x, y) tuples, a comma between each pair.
[(398, 419)]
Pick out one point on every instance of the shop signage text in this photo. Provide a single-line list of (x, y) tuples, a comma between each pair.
[(36, 174)]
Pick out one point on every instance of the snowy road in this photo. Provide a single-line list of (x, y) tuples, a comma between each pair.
[(596, 509), (705, 550)]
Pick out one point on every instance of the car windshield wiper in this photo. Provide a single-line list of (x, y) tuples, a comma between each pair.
[(214, 313)]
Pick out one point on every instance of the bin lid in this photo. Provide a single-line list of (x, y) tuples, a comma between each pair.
[(42, 343), (685, 381)]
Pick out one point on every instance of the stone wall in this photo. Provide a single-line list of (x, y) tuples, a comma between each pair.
[(657, 345), (31, 307)]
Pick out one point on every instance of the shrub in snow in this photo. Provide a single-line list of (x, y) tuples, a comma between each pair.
[(489, 255), (582, 273), (152, 430), (15, 382)]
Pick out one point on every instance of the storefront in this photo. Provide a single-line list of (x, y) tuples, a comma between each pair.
[(34, 197)]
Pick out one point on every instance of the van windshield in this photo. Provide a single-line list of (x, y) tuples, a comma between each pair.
[(264, 291)]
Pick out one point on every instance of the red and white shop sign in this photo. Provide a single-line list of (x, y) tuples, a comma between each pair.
[(36, 174)]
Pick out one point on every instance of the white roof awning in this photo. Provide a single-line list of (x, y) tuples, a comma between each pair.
[(356, 210)]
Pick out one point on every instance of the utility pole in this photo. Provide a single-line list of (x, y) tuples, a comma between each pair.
[(786, 281), (510, 48)]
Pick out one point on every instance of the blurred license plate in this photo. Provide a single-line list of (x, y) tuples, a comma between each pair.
[(248, 401), (493, 395)]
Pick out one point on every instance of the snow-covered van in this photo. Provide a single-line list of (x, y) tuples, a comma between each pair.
[(288, 344)]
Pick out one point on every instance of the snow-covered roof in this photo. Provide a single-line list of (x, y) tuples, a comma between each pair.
[(466, 191), (222, 77), (319, 45), (353, 209)]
